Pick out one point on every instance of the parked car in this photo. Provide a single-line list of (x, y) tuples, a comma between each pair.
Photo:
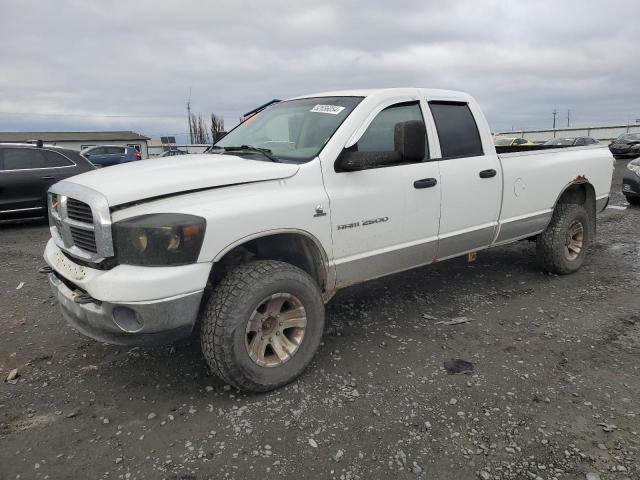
[(571, 141), (172, 153), (512, 142), (631, 182), (107, 155), (626, 145), (246, 247), (26, 173)]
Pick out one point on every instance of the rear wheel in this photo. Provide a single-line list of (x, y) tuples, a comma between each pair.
[(561, 248), (262, 325)]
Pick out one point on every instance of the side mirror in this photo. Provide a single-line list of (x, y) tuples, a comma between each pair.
[(410, 139), (350, 161)]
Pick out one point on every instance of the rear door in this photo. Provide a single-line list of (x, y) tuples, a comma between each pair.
[(57, 167), (471, 179), (116, 155)]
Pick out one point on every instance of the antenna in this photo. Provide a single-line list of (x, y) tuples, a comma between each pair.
[(189, 117)]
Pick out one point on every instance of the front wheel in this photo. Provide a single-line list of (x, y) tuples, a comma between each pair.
[(632, 200), (262, 325), (561, 248)]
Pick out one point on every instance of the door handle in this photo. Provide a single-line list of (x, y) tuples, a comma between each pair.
[(425, 183), (48, 177), (488, 173)]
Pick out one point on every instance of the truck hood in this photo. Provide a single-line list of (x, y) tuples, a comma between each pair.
[(145, 179)]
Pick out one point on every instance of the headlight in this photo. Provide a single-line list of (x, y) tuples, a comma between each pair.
[(159, 239), (634, 168)]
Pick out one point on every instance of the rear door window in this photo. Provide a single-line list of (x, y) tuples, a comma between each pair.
[(457, 129), (22, 159), (115, 150)]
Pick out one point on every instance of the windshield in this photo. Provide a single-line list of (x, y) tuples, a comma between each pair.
[(295, 130), (560, 141), (633, 137), (501, 142)]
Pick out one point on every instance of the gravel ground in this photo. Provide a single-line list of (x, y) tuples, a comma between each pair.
[(555, 391)]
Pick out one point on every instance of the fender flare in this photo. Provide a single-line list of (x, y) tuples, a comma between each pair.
[(580, 180), (327, 267)]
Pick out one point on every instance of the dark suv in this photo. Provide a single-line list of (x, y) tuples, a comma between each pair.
[(107, 155), (26, 173)]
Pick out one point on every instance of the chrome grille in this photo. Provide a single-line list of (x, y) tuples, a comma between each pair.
[(80, 221), (80, 211), (84, 239)]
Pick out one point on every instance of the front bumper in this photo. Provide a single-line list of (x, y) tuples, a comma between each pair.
[(128, 305), (135, 323)]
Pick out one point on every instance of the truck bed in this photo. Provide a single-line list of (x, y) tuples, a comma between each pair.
[(534, 177)]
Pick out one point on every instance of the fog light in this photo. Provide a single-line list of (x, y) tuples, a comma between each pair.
[(127, 320)]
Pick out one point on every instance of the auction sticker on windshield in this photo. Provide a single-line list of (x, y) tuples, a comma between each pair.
[(332, 109)]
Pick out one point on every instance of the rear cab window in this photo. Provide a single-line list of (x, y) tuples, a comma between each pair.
[(457, 129)]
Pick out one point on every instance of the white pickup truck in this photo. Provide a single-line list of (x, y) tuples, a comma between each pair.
[(245, 244)]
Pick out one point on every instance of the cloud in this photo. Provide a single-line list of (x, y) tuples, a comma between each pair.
[(130, 65)]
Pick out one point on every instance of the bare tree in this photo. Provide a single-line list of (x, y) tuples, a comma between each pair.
[(217, 127), (199, 129), (200, 132)]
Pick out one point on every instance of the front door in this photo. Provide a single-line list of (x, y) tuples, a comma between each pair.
[(384, 219)]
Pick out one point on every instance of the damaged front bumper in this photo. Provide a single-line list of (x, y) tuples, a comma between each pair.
[(128, 305), (137, 323)]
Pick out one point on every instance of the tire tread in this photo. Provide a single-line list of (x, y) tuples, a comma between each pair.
[(219, 323), (550, 243)]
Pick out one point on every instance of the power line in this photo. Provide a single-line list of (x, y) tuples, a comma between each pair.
[(88, 115)]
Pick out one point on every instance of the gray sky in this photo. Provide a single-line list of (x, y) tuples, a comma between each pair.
[(94, 65)]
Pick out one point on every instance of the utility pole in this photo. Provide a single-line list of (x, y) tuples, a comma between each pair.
[(189, 117), (568, 117), (555, 112)]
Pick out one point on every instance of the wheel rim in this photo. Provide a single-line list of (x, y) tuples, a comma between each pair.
[(573, 243), (275, 330)]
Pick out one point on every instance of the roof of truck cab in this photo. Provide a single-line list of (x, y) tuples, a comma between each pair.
[(427, 92)]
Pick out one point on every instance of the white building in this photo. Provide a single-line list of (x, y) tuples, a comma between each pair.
[(81, 140)]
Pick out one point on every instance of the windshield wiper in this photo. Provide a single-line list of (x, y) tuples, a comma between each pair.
[(265, 151)]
